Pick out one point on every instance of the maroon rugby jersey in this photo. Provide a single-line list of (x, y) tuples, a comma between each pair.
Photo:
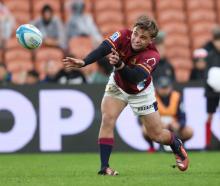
[(146, 59)]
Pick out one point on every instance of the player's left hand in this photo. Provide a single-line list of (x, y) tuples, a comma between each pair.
[(72, 63), (114, 57)]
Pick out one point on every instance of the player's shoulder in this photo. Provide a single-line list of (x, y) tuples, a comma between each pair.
[(121, 34), (151, 51), (126, 32)]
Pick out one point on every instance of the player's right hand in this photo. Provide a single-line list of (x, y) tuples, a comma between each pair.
[(114, 57), (72, 63)]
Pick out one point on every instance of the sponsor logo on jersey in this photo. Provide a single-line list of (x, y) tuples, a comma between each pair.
[(115, 36), (151, 61)]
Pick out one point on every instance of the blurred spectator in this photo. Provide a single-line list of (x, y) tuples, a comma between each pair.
[(52, 69), (102, 73), (81, 24), (55, 74), (32, 77), (211, 92), (89, 70), (211, 45), (19, 77), (199, 69), (51, 28), (73, 78), (5, 76), (170, 106), (7, 24), (164, 67)]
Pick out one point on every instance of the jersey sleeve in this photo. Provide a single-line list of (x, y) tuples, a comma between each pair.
[(149, 62), (116, 38)]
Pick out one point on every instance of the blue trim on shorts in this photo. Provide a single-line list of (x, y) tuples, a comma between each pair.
[(155, 106)]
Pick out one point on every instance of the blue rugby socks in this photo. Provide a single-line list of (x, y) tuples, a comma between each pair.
[(105, 145)]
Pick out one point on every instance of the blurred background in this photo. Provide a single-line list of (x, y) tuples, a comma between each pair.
[(188, 42)]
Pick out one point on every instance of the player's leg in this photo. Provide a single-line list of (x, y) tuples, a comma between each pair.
[(212, 104), (111, 108), (144, 104), (157, 133), (146, 137), (155, 130), (208, 130)]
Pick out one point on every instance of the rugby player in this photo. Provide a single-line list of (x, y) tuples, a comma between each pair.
[(134, 57)]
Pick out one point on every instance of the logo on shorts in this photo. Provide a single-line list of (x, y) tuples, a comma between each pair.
[(145, 107)]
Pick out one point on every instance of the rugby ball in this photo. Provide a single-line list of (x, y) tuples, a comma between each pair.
[(29, 36)]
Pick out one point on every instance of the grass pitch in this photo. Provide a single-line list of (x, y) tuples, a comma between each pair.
[(136, 169)]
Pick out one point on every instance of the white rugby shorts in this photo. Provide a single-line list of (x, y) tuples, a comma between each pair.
[(142, 103)]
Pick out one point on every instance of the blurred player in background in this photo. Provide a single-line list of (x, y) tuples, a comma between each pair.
[(134, 57), (171, 109), (212, 45), (212, 87)]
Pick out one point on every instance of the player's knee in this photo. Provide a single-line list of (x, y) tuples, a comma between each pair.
[(189, 132), (186, 133), (108, 120)]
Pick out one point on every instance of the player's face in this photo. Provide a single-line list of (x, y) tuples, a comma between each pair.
[(140, 39)]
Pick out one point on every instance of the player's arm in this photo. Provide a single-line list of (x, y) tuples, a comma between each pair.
[(133, 75), (101, 51)]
